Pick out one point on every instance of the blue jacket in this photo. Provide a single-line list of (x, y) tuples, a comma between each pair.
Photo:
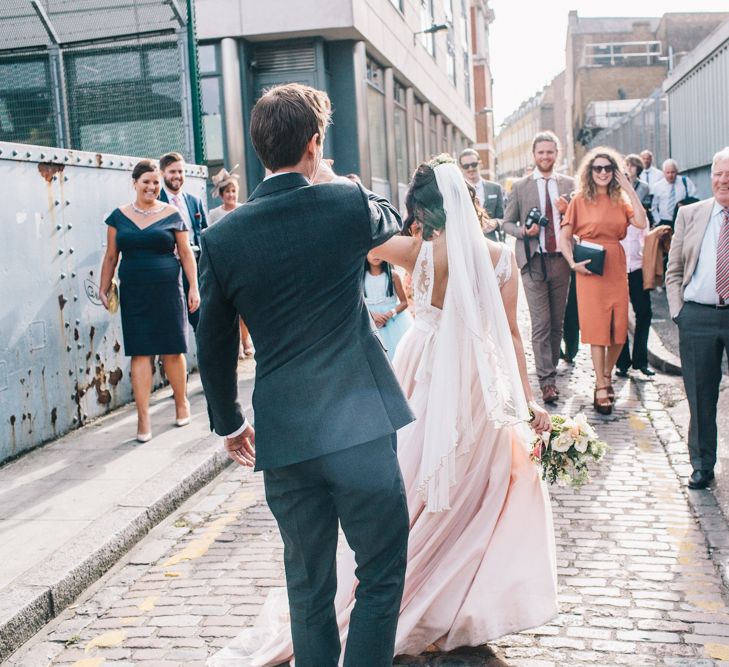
[(196, 211)]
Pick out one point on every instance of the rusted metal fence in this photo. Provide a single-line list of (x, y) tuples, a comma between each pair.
[(61, 355)]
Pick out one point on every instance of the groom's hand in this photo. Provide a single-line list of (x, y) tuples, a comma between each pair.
[(242, 448)]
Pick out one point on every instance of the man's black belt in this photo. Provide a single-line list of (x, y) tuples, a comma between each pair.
[(714, 306)]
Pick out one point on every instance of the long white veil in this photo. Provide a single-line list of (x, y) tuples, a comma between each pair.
[(474, 348)]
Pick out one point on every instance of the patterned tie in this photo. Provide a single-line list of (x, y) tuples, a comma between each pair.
[(722, 258), (175, 201), (550, 240), (672, 200)]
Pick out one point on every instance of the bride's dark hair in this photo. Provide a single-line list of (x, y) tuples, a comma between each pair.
[(424, 202)]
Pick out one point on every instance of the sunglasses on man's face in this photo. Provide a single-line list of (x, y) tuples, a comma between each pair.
[(607, 168), (469, 165)]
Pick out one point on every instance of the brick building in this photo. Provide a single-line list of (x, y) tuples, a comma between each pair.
[(481, 18), (543, 111), (621, 59)]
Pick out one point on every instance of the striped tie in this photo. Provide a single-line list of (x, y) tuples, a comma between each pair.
[(672, 200), (722, 258)]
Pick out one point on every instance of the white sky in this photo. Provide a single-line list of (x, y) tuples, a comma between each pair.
[(528, 39)]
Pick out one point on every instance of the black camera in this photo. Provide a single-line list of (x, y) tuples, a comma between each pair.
[(535, 217)]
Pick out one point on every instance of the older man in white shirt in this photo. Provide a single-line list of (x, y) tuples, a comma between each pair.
[(650, 174), (669, 192), (697, 284)]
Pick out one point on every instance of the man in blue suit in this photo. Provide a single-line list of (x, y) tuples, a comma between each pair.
[(172, 166), (326, 400)]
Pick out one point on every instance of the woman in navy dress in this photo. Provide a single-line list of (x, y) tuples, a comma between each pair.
[(151, 235)]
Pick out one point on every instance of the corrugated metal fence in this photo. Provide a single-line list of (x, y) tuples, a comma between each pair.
[(61, 358), (699, 117), (645, 127)]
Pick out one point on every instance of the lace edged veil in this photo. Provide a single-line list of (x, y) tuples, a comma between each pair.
[(474, 347)]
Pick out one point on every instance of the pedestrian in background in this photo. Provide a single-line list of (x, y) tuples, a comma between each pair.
[(670, 193), (190, 207), (147, 233), (226, 188), (697, 285), (640, 298), (489, 194), (545, 273), (600, 213), (650, 174)]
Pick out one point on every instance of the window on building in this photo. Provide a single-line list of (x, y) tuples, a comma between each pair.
[(101, 82), (401, 135), (448, 11), (466, 77), (451, 57), (377, 126), (211, 95), (26, 103), (419, 133), (433, 147), (464, 25), (427, 19), (399, 4)]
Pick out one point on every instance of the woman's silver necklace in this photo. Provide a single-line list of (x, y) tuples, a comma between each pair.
[(146, 212)]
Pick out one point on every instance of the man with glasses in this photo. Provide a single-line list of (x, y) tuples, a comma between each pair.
[(489, 194)]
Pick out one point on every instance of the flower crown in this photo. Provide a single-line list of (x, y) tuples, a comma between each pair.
[(438, 160)]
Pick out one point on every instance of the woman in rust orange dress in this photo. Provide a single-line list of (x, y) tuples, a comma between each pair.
[(600, 213)]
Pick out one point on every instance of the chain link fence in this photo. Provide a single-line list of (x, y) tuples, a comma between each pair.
[(109, 76), (645, 127)]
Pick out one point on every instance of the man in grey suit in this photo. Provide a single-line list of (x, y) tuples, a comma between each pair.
[(327, 404), (697, 286), (489, 194), (545, 273)]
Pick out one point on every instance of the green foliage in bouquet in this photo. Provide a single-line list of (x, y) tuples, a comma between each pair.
[(571, 446)]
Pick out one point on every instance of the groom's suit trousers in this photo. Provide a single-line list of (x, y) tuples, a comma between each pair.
[(356, 487)]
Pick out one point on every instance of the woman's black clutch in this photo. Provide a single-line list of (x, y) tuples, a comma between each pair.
[(592, 251)]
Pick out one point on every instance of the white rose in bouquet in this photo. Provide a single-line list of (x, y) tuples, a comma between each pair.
[(562, 442)]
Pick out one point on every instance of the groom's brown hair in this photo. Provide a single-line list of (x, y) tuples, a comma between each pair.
[(285, 119)]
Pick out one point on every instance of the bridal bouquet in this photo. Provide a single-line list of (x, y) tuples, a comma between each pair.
[(564, 453)]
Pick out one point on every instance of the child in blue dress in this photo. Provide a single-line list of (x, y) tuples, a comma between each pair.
[(385, 299)]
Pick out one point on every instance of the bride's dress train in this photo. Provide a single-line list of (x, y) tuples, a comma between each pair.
[(483, 568)]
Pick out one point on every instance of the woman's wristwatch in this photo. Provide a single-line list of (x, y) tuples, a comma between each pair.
[(393, 312)]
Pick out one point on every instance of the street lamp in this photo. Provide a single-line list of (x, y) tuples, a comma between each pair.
[(484, 111), (435, 27)]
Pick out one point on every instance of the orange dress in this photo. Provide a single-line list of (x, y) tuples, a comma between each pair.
[(602, 301)]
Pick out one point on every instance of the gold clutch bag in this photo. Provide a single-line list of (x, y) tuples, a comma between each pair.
[(112, 296)]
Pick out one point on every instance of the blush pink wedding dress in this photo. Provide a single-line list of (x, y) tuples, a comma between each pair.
[(483, 568)]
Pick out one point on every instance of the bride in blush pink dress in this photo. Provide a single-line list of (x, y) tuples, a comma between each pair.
[(481, 555)]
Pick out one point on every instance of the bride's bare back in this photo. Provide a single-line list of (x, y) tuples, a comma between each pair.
[(404, 251)]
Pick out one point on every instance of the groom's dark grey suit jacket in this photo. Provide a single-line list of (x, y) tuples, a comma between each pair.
[(291, 262)]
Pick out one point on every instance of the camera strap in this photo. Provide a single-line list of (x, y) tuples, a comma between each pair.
[(529, 257)]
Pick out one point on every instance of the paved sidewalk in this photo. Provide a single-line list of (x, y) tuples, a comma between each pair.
[(637, 583), (72, 508)]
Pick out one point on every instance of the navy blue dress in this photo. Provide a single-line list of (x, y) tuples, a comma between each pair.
[(151, 299)]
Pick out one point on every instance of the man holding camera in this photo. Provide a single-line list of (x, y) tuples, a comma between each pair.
[(533, 215)]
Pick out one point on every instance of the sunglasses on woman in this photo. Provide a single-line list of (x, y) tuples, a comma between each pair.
[(598, 168)]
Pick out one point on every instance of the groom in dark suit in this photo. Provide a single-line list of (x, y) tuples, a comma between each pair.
[(327, 404)]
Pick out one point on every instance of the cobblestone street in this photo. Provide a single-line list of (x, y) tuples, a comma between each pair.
[(637, 582)]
